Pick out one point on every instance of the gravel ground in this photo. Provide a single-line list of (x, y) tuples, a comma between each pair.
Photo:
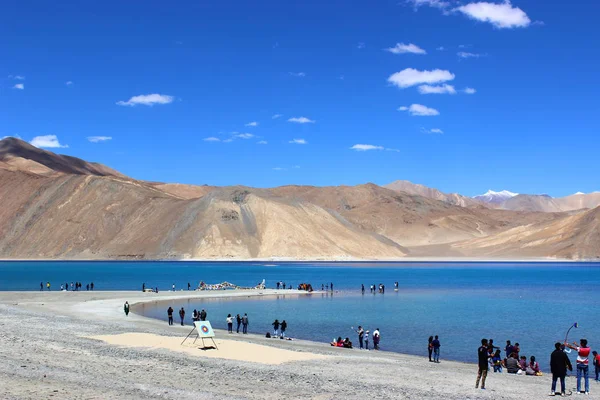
[(46, 355)]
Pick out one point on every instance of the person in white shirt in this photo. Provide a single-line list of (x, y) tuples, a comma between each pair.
[(229, 323), (367, 340)]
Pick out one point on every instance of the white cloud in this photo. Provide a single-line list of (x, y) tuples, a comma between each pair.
[(394, 150), (360, 45), (402, 48), (419, 110), (253, 123), (147, 100), (470, 90), (296, 166), (262, 142), (441, 48), (19, 86), (212, 139), (502, 15), (279, 169), (411, 77), (244, 135), (298, 141), (229, 140), (440, 89), (275, 116), (17, 77), (298, 74), (366, 147), (301, 120), (466, 54), (430, 3), (68, 83), (433, 131), (98, 139), (48, 141)]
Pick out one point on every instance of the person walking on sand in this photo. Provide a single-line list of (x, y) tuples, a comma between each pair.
[(482, 355), (583, 354), (182, 315), (283, 328), (245, 324), (126, 308), (275, 328), (170, 315), (203, 315), (430, 348), (361, 336), (559, 363), (436, 349), (229, 323), (376, 339), (238, 319)]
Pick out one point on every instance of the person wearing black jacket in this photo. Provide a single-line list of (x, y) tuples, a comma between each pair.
[(482, 357), (559, 363)]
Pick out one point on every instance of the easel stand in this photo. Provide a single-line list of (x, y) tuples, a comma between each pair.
[(198, 336)]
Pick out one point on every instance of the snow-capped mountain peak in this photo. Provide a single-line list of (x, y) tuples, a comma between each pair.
[(578, 193), (495, 197)]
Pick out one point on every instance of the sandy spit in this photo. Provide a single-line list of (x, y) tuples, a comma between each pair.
[(81, 346)]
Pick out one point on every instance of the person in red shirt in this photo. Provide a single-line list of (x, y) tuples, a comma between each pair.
[(596, 363), (583, 353)]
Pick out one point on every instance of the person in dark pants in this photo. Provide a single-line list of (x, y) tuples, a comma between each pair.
[(283, 328), (143, 287), (182, 315), (229, 323), (362, 288), (126, 308), (170, 315), (238, 319), (596, 363), (583, 353), (189, 286), (331, 286), (430, 348), (41, 286), (275, 328), (436, 349), (361, 336), (245, 324), (559, 363), (92, 286), (482, 355), (203, 315)]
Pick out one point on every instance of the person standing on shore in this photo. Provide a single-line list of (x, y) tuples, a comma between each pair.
[(436, 349), (238, 319), (367, 340), (596, 364), (126, 308), (362, 289), (331, 286), (275, 328), (87, 287), (482, 355), (508, 349), (283, 328), (203, 315), (170, 315), (376, 338), (41, 286), (189, 286), (361, 335), (92, 287), (143, 287), (48, 285), (583, 354), (430, 347), (173, 287), (559, 363), (245, 324), (182, 315), (229, 323)]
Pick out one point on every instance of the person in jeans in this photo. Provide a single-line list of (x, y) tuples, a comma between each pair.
[(361, 335), (436, 349), (275, 328), (559, 363), (482, 356), (430, 348), (182, 315), (245, 324), (283, 328), (238, 319), (583, 353), (497, 361), (229, 323), (170, 315), (596, 363)]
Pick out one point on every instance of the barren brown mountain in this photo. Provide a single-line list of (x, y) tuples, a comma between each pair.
[(431, 193), (63, 207)]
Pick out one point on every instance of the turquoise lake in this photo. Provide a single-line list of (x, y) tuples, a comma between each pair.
[(530, 303)]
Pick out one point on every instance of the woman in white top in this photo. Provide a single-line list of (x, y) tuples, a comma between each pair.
[(229, 323)]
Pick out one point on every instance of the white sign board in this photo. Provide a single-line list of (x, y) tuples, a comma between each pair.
[(205, 329)]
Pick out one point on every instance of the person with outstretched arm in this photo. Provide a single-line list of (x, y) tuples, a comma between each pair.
[(583, 354)]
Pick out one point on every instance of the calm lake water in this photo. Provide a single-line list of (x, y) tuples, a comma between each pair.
[(530, 303)]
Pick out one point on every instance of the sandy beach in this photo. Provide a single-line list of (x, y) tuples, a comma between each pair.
[(80, 345)]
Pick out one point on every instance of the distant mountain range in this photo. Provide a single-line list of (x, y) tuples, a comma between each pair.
[(61, 207), (492, 197)]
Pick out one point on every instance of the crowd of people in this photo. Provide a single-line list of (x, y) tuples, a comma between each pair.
[(75, 286), (363, 338)]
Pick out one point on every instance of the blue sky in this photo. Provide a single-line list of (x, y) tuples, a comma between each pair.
[(79, 70)]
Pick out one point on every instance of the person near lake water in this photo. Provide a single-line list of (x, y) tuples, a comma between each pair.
[(362, 288), (48, 285), (173, 287), (596, 361), (41, 286), (559, 363), (189, 286), (202, 315), (583, 354), (238, 319), (482, 356), (508, 349), (517, 350), (126, 308), (275, 328), (143, 287), (229, 323), (195, 315), (533, 368), (512, 364), (497, 361), (170, 315), (436, 349), (522, 363), (331, 286), (376, 339), (430, 348), (92, 287), (87, 287), (367, 340), (182, 315), (245, 324), (361, 335), (283, 328)]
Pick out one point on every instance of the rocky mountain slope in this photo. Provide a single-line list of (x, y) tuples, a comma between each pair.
[(431, 193), (62, 207)]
